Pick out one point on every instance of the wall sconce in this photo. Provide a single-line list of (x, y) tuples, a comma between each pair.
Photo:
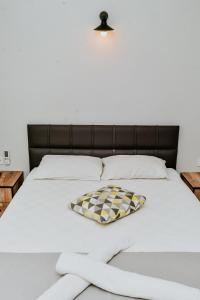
[(104, 28)]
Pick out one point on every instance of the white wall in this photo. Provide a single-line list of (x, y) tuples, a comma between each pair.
[(55, 69)]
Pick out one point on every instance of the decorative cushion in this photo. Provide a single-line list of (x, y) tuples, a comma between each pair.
[(108, 204)]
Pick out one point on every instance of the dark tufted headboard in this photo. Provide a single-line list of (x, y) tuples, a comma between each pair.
[(103, 140)]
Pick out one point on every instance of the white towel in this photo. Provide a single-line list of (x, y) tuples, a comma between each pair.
[(70, 286), (125, 283)]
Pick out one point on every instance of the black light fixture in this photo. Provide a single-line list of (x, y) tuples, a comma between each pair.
[(104, 28)]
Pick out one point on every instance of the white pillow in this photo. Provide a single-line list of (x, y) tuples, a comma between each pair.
[(133, 166), (69, 167)]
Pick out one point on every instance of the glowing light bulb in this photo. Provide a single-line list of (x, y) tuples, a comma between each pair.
[(104, 33)]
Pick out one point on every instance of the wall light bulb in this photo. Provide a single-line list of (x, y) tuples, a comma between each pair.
[(104, 33)]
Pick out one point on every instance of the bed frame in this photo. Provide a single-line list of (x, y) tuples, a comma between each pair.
[(102, 141)]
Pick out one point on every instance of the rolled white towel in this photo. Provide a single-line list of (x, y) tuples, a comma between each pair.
[(103, 254), (67, 287), (70, 286), (126, 283)]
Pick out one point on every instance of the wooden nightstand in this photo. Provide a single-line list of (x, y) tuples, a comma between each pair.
[(10, 182), (192, 179)]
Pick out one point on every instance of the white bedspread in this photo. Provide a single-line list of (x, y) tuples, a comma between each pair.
[(39, 220)]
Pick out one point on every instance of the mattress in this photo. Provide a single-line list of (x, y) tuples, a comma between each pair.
[(39, 219), (27, 276)]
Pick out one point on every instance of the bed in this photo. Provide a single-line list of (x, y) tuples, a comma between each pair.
[(38, 223)]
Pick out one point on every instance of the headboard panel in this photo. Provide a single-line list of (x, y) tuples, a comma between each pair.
[(102, 141)]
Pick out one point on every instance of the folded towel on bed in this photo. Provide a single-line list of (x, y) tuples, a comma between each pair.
[(70, 286)]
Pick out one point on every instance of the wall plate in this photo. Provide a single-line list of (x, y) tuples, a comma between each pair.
[(6, 157)]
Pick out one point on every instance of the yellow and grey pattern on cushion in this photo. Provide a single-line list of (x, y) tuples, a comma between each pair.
[(108, 204)]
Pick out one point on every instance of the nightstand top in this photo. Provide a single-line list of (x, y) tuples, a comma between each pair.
[(193, 178), (9, 178)]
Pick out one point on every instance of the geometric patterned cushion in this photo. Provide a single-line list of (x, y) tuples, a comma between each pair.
[(108, 204)]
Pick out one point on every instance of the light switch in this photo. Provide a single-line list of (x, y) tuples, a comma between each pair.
[(6, 157)]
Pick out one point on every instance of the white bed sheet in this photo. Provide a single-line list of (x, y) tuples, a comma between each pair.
[(39, 220)]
